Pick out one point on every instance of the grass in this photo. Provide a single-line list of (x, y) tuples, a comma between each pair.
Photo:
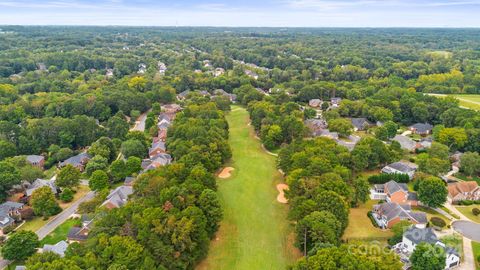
[(449, 212), (254, 233), (50, 172), (80, 192), (360, 227), (468, 178), (455, 241), (467, 101), (60, 233), (33, 224), (476, 253), (467, 211)]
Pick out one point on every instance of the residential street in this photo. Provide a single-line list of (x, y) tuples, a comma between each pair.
[(140, 123), (56, 221)]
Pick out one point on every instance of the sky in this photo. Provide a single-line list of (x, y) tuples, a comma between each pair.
[(257, 13)]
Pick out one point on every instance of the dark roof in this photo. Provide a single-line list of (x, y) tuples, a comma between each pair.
[(128, 180), (422, 127), (76, 160), (360, 123), (401, 166), (34, 158), (77, 233), (420, 235), (393, 187)]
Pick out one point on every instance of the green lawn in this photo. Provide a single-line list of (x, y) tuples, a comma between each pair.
[(60, 233), (467, 211), (467, 178), (254, 233), (33, 224), (476, 253), (468, 101), (431, 213), (361, 228)]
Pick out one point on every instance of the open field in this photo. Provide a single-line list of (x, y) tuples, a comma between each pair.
[(255, 232), (360, 227), (467, 211), (467, 101)]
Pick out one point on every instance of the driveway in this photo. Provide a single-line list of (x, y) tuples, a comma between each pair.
[(56, 221), (469, 229), (140, 123)]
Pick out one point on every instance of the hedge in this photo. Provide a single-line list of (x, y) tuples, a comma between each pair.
[(385, 177)]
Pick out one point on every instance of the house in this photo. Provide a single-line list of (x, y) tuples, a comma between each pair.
[(183, 95), (157, 148), (207, 63), (129, 181), (455, 158), (161, 159), (171, 108), (59, 248), (421, 128), (35, 160), (401, 167), (424, 143), (204, 93), (335, 102), (328, 134), (464, 190), (389, 213), (163, 125), (162, 68), (360, 124), (394, 192), (20, 267), (79, 161), (406, 142), (39, 183), (416, 235), (251, 74), (315, 103), (109, 73), (218, 72), (78, 234), (9, 212), (118, 197), (142, 68), (316, 126), (41, 67)]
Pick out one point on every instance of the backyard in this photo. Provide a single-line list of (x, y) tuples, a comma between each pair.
[(255, 232), (360, 226)]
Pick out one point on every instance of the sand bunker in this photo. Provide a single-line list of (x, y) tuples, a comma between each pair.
[(225, 173), (281, 194)]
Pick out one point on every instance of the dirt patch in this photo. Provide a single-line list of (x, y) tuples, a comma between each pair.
[(281, 194), (225, 173)]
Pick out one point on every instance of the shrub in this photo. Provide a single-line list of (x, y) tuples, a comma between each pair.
[(372, 219), (438, 222), (476, 211)]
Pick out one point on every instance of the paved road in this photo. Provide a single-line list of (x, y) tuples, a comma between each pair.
[(140, 123), (468, 229), (56, 221)]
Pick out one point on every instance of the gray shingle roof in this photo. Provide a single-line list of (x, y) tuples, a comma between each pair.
[(420, 235), (59, 248), (34, 158), (41, 183), (360, 123), (401, 166), (422, 127), (77, 160), (119, 196), (393, 187)]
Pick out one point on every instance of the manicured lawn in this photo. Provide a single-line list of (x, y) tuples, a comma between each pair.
[(467, 178), (430, 213), (33, 224), (476, 253), (255, 232), (60, 233), (80, 192), (467, 211), (361, 228)]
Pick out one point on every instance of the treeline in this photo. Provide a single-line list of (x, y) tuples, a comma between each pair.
[(174, 211)]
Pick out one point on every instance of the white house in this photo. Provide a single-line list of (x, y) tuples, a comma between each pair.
[(415, 235)]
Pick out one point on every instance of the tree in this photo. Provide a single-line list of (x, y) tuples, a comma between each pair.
[(43, 202), (118, 170), (455, 138), (138, 83), (95, 164), (133, 165), (398, 229), (68, 176), (470, 163), (335, 204), (318, 228), (392, 128), (9, 176), (343, 126), (117, 127), (381, 133), (438, 150), (133, 148), (361, 191), (30, 173), (7, 149), (98, 180), (428, 257), (432, 191), (20, 245), (432, 165), (66, 195), (210, 205)]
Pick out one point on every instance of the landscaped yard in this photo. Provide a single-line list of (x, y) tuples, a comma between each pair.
[(255, 232), (431, 213), (60, 233), (81, 191), (467, 211), (33, 224), (476, 253), (360, 226)]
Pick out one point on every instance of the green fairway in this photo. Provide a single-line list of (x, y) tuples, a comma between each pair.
[(255, 232), (467, 101)]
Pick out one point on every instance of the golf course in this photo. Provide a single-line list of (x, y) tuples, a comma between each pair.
[(255, 232)]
